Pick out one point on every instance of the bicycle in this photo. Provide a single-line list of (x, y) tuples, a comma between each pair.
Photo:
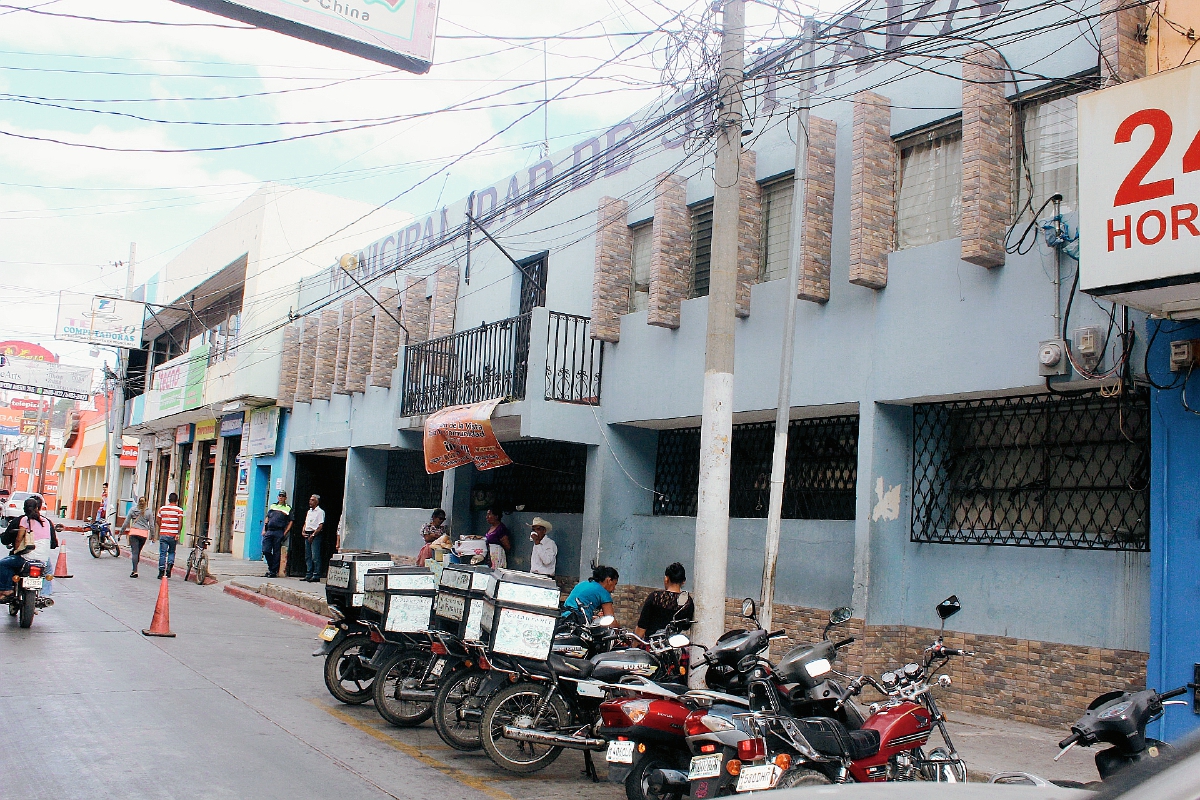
[(198, 559)]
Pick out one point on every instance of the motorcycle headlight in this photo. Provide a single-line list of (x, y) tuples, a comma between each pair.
[(817, 668)]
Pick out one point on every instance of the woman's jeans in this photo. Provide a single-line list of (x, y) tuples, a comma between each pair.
[(136, 543), (312, 557), (166, 552), (9, 567)]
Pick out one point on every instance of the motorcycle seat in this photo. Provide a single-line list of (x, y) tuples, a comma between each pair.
[(863, 743), (565, 667), (831, 737)]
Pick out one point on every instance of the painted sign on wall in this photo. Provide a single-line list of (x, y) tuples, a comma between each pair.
[(178, 384)]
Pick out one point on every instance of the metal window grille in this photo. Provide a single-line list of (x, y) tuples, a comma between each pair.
[(1033, 471), (702, 228), (478, 364), (408, 485), (573, 360), (545, 477), (820, 478)]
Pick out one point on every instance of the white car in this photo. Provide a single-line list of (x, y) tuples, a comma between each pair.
[(14, 506)]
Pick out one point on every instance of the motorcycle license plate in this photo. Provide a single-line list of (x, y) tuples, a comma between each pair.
[(619, 752), (329, 633), (704, 767), (437, 668), (31, 583), (756, 779)]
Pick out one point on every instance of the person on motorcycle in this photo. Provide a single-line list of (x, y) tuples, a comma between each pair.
[(32, 528), (594, 596), (663, 607)]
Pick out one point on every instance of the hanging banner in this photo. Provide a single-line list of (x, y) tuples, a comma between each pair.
[(99, 320), (460, 435), (45, 378)]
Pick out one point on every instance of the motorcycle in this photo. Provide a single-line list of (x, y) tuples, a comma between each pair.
[(346, 647), (26, 599), (407, 669), (101, 540)]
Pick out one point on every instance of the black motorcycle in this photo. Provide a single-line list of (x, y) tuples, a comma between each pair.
[(27, 593), (101, 540), (346, 647)]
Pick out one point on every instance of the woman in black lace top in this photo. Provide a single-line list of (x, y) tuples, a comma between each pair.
[(663, 606)]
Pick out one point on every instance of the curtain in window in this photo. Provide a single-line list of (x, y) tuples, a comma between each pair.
[(642, 247), (1051, 150), (929, 206), (777, 227)]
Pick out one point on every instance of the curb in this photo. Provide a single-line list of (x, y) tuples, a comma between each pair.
[(152, 560), (276, 606)]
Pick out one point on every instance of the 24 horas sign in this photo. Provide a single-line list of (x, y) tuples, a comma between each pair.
[(1139, 190)]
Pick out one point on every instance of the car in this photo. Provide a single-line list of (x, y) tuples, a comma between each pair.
[(15, 505)]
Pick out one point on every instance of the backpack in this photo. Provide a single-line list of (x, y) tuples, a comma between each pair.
[(10, 533)]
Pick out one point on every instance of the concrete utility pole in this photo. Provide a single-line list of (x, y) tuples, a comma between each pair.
[(31, 483), (784, 403), (113, 470), (716, 426)]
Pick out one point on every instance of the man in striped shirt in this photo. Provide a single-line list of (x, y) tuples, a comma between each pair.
[(170, 520)]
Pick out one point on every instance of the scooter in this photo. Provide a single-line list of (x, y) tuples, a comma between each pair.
[(346, 647), (101, 540), (27, 589)]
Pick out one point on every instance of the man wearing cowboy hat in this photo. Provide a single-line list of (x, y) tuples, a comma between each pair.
[(545, 551)]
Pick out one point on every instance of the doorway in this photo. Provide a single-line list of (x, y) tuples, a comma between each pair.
[(533, 283), (161, 478), (204, 487), (323, 475), (227, 492)]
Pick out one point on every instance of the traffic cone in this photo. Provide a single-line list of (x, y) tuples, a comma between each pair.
[(60, 568), (160, 625)]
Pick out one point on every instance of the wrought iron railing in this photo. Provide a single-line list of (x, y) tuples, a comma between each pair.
[(489, 361), (573, 360)]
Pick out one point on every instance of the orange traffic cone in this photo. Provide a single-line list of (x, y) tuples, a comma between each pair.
[(60, 568), (160, 625)]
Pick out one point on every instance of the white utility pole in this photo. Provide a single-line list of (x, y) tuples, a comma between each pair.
[(716, 427), (784, 403), (113, 470)]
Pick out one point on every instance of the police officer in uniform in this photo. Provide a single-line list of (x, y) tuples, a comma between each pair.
[(276, 528)]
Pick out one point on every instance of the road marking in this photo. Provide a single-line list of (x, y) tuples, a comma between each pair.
[(414, 752)]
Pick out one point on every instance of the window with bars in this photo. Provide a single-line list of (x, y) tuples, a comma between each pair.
[(408, 485), (929, 196), (1033, 471), (1047, 154), (643, 245), (702, 226), (545, 477), (777, 227), (819, 480)]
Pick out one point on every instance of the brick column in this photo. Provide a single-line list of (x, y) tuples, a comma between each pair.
[(612, 273), (385, 348), (326, 358), (986, 159), (1122, 50), (307, 359), (362, 332), (416, 310), (817, 239), (288, 364), (445, 301), (671, 251), (343, 348), (872, 191), (749, 230)]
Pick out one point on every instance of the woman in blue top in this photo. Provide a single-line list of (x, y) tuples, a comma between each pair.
[(594, 596)]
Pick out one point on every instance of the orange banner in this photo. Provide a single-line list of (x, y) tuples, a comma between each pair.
[(460, 435)]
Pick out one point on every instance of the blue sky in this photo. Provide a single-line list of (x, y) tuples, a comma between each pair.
[(67, 213)]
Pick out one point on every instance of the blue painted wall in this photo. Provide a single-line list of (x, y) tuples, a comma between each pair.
[(1174, 531), (270, 469)]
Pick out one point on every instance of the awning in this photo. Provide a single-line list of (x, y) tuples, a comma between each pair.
[(91, 455), (57, 464)]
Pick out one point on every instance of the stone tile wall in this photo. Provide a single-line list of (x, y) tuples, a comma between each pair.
[(343, 348), (817, 242), (326, 355), (385, 346), (612, 273), (288, 364), (362, 333), (671, 251), (307, 360), (987, 157), (445, 301), (872, 191), (415, 308), (750, 221), (1122, 43)]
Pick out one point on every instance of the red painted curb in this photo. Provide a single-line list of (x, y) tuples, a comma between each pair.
[(151, 558), (277, 606)]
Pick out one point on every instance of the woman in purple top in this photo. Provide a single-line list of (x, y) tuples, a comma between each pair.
[(498, 541)]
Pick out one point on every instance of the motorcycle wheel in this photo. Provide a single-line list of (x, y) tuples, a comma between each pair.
[(347, 678), (518, 705), (94, 546), (955, 772), (802, 776), (637, 785), (115, 549), (27, 609), (453, 694), (404, 670)]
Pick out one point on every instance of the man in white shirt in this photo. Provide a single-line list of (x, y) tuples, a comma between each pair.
[(314, 523), (545, 552)]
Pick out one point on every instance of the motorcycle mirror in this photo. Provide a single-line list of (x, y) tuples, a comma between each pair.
[(605, 621), (682, 598), (840, 615), (679, 640), (749, 609), (948, 608), (58, 528)]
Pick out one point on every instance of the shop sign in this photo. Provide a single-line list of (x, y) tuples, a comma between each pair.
[(178, 384), (183, 434), (129, 455), (460, 435), (28, 404), (264, 429), (45, 378), (17, 349), (206, 429), (239, 513), (99, 320), (231, 424)]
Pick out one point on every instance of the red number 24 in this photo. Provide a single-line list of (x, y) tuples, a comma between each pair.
[(1132, 190)]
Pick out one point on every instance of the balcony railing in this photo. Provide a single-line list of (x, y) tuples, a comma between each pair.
[(466, 367), (573, 360)]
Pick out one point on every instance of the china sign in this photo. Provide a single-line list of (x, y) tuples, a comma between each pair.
[(1139, 190), (46, 378), (99, 320), (398, 33)]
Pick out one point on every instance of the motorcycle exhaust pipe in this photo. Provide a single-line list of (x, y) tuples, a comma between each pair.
[(554, 739), (666, 781), (470, 714), (416, 695)]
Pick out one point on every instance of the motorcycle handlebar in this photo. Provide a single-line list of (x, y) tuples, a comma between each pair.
[(1067, 742), (777, 635), (1173, 693), (844, 643)]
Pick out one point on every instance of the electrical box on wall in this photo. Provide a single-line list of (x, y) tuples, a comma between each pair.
[(1052, 358), (1185, 355), (1089, 345)]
